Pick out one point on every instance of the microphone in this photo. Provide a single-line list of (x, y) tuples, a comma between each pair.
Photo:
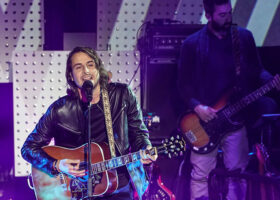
[(88, 87)]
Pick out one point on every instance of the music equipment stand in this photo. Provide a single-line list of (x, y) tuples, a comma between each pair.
[(267, 120)]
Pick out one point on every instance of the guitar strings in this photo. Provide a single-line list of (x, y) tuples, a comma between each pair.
[(261, 91)]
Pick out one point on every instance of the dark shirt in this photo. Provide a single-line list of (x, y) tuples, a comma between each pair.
[(98, 127), (99, 135), (220, 71)]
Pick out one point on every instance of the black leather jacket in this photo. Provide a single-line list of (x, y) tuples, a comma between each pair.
[(64, 121)]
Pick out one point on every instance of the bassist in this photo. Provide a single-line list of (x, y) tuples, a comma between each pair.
[(212, 61)]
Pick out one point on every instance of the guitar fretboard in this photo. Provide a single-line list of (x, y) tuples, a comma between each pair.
[(115, 162), (245, 101), (118, 161)]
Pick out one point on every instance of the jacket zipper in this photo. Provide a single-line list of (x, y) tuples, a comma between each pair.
[(117, 116), (69, 129)]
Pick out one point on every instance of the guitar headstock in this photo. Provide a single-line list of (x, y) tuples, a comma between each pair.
[(173, 146)]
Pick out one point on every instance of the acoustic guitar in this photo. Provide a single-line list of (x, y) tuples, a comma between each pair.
[(105, 178), (204, 137)]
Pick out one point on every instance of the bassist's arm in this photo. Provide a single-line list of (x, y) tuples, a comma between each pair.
[(261, 76), (186, 83), (205, 113)]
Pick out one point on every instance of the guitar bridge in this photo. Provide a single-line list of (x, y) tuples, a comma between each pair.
[(190, 136)]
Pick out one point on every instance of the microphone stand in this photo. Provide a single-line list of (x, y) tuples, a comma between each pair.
[(89, 182), (88, 89)]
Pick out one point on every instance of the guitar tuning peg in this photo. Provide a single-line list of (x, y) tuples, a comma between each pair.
[(169, 155), (172, 138)]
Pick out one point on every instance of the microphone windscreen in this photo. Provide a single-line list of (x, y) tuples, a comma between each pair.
[(88, 87)]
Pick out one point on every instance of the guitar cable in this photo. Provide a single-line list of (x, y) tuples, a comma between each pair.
[(29, 182)]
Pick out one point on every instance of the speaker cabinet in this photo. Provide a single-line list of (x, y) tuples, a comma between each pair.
[(159, 93)]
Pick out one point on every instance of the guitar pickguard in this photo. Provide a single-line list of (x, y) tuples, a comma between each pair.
[(216, 129)]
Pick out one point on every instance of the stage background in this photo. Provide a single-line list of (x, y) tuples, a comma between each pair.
[(54, 27)]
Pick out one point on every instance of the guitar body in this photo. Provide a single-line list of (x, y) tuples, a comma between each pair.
[(64, 187), (204, 137), (156, 189), (104, 174), (197, 138)]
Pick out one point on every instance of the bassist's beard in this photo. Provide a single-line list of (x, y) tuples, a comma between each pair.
[(221, 28)]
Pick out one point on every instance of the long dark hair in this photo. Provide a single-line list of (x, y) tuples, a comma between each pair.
[(209, 5), (103, 80)]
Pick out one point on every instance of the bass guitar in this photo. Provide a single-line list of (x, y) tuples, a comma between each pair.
[(105, 178), (204, 137)]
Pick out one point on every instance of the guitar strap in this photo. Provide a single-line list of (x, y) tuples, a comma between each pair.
[(108, 121), (236, 54)]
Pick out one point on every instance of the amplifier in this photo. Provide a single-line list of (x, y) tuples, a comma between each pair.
[(164, 38), (159, 48), (167, 42)]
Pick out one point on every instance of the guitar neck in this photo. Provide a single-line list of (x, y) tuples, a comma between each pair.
[(245, 101), (115, 162), (122, 160)]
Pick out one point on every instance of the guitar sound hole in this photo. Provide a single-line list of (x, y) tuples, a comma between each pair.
[(78, 186)]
